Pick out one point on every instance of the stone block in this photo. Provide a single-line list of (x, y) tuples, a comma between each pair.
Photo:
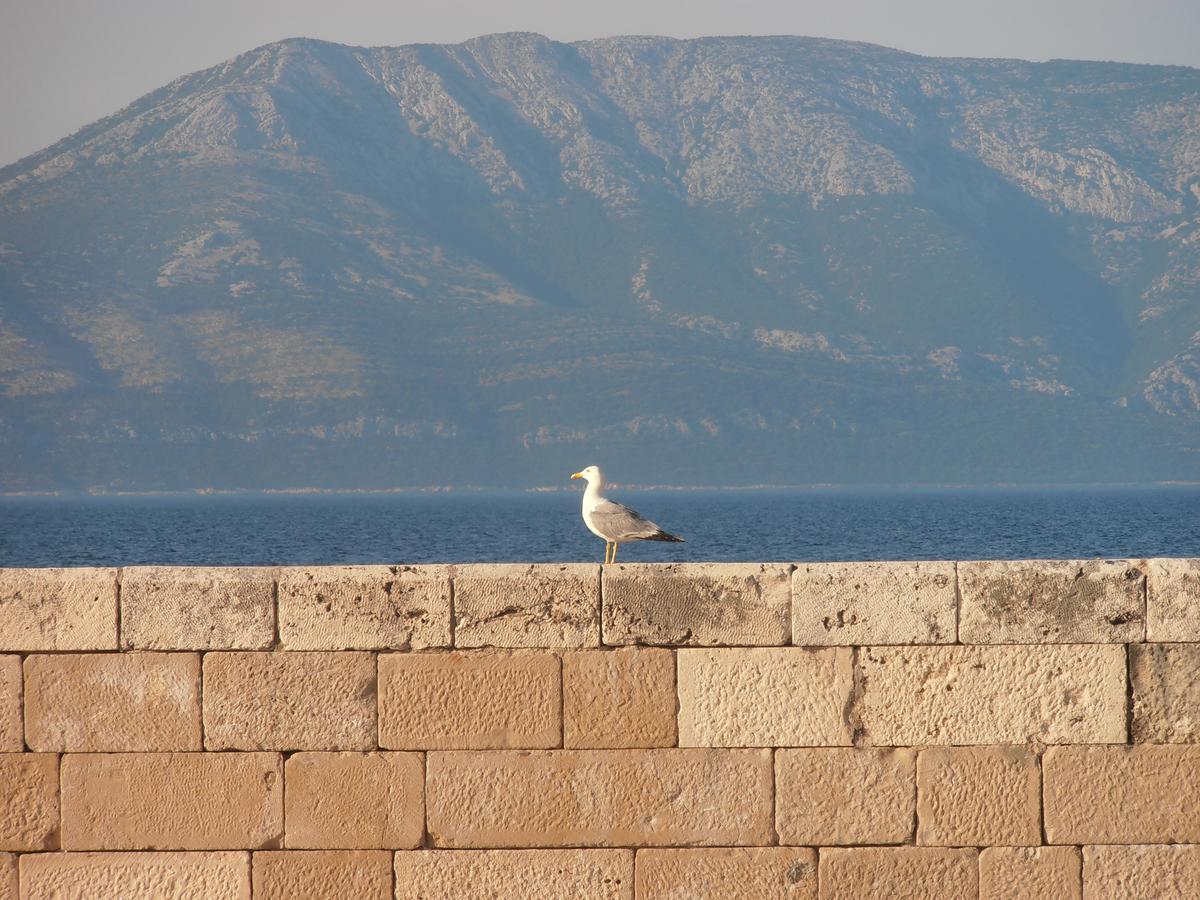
[(697, 604), (748, 873), (1144, 794), (1029, 873), (289, 701), (136, 876), (562, 798), (29, 811), (12, 738), (619, 698), (1138, 872), (993, 695), (886, 873), (504, 874), (322, 875), (172, 801), (874, 603), (1051, 602), (764, 697), (8, 876), (1166, 693), (470, 701), (364, 608), (355, 801), (58, 610), (200, 608), (109, 702), (518, 605), (1173, 600), (976, 796), (845, 795)]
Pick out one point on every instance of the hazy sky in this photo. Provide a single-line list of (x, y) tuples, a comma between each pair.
[(64, 63)]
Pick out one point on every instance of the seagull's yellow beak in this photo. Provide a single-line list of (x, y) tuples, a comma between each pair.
[(576, 474)]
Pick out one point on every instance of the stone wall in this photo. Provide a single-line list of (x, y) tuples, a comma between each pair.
[(987, 729)]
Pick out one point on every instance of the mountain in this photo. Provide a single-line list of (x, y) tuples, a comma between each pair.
[(712, 261)]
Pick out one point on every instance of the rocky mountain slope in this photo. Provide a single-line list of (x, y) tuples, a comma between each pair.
[(725, 260)]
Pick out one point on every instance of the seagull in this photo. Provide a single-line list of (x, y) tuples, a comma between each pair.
[(615, 523)]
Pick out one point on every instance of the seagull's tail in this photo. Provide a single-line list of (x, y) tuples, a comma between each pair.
[(661, 535)]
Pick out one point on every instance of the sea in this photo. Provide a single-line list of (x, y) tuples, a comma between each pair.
[(792, 525)]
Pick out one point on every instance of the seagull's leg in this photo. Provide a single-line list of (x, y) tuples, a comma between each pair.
[(607, 551), (614, 559)]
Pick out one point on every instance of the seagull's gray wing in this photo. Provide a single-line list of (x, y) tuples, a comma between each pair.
[(618, 522)]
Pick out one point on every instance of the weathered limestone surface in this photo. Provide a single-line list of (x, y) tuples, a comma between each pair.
[(764, 697), (289, 701), (1173, 600), (29, 810), (1141, 872), (104, 702), (348, 801), (619, 698), (168, 608), (1029, 873), (697, 604), (58, 609), (976, 796), (364, 608), (1051, 601), (172, 801), (844, 795), (468, 701), (993, 695), (885, 873), (748, 873), (1145, 794), (503, 874), (136, 876), (322, 875), (599, 798), (518, 605), (1166, 692), (874, 603), (11, 730), (8, 876)]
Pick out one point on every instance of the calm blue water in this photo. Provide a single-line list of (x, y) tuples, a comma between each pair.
[(782, 525)]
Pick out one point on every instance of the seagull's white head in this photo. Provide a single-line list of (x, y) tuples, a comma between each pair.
[(592, 475)]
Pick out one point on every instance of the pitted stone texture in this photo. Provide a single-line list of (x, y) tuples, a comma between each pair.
[(697, 604), (1051, 602), (845, 796), (506, 874), (1166, 693), (29, 814), (105, 702), (887, 873), (8, 876), (470, 701), (169, 608), (136, 876), (1029, 873), (1141, 872), (1145, 794), (1173, 600), (764, 697), (1051, 694), (355, 801), (11, 731), (619, 698), (322, 875), (873, 603), (561, 798), (977, 796), (289, 701), (364, 608), (748, 873), (517, 605), (58, 609), (172, 801)]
